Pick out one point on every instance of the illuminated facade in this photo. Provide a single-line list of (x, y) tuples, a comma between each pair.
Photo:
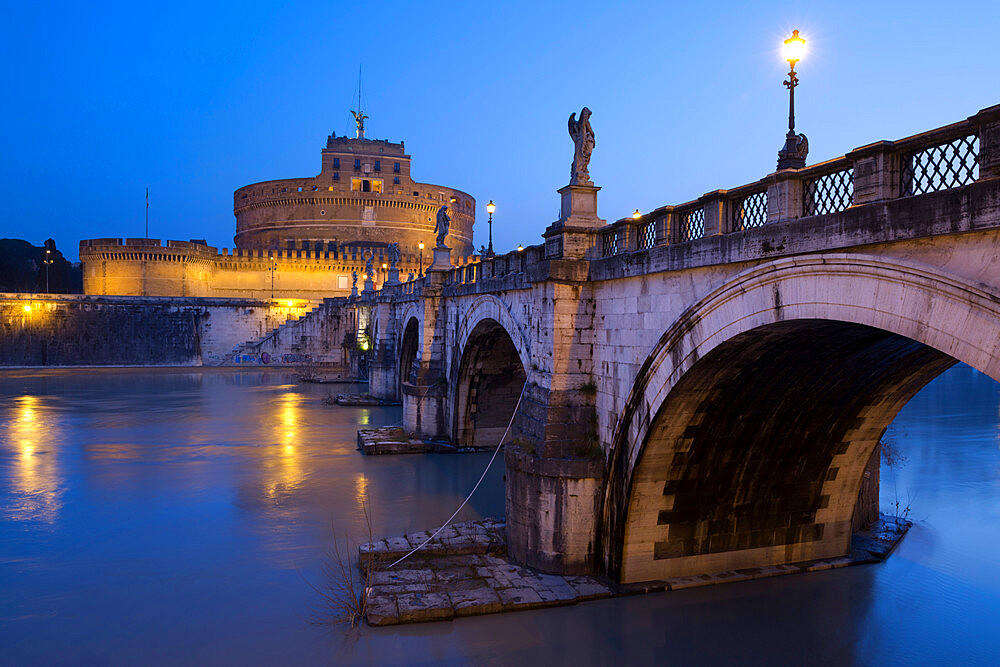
[(298, 238)]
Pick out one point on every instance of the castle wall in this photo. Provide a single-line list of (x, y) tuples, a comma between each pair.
[(77, 330), (144, 267)]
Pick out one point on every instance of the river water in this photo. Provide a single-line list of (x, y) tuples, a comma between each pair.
[(180, 516)]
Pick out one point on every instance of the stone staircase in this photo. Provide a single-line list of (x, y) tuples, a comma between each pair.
[(303, 340)]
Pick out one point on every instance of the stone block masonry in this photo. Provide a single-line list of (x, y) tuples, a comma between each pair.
[(465, 572), (80, 330)]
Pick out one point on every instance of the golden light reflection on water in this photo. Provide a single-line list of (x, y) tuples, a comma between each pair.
[(361, 488), (283, 472), (35, 485)]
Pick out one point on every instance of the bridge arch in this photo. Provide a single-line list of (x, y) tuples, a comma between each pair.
[(409, 349), (489, 369), (747, 431)]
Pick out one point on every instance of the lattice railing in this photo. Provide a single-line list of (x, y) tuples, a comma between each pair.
[(692, 225), (947, 165), (609, 243), (751, 211), (828, 193), (645, 235)]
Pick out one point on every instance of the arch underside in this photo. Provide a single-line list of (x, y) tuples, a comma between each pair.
[(490, 378), (408, 353), (756, 456)]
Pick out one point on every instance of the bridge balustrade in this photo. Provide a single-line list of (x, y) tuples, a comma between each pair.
[(749, 211), (944, 158), (690, 225), (950, 162)]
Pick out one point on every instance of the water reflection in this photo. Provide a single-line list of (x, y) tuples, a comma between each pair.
[(35, 492), (176, 514)]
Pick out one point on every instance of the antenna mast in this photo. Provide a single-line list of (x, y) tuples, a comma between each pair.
[(359, 116)]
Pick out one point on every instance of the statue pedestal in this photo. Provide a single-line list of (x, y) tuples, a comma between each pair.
[(573, 236), (369, 285), (579, 206), (354, 291), (442, 259), (392, 278)]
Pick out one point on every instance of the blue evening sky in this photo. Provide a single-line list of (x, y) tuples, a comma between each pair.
[(195, 100)]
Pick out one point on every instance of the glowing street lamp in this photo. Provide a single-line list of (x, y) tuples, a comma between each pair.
[(272, 265), (421, 246), (489, 209), (48, 262), (636, 215), (519, 247), (796, 148)]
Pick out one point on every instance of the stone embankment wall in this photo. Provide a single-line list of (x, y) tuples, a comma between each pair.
[(325, 335), (80, 330)]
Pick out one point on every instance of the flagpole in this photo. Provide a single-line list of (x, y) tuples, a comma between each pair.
[(147, 213)]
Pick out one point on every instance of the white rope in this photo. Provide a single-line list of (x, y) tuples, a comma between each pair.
[(481, 478)]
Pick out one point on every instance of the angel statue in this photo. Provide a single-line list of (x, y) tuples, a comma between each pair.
[(441, 227), (354, 279), (360, 119), (583, 146), (393, 255), (369, 270)]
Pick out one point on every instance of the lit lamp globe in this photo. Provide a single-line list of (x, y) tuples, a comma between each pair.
[(637, 215), (794, 48), (491, 207)]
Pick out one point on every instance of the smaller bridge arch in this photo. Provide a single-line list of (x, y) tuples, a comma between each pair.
[(489, 370), (748, 428)]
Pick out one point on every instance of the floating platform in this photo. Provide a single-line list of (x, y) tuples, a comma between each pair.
[(363, 400), (394, 440)]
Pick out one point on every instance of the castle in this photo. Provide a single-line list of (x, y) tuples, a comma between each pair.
[(302, 238)]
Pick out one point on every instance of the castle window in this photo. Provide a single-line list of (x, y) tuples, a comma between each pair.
[(395, 167), (336, 177), (378, 165), (416, 194), (357, 163), (336, 163), (290, 244), (395, 180), (356, 184), (377, 185)]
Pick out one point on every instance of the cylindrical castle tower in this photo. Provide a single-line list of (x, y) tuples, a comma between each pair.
[(362, 198)]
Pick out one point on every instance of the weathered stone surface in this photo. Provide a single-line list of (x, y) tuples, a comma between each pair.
[(587, 588), (475, 601), (401, 576), (421, 607), (381, 609), (520, 598), (437, 587)]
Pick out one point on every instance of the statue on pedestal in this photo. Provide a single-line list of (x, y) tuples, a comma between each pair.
[(369, 270), (354, 279), (583, 146), (393, 255), (442, 225)]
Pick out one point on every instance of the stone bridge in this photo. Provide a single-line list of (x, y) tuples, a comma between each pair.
[(702, 387)]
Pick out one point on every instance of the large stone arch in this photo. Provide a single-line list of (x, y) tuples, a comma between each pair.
[(489, 369), (747, 430), (491, 307)]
